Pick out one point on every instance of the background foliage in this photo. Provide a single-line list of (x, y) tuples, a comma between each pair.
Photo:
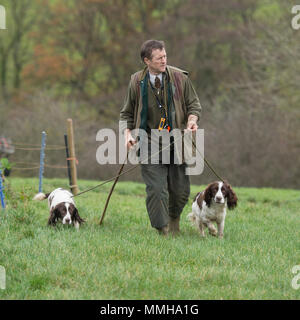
[(72, 58)]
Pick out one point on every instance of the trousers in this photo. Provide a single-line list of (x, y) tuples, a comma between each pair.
[(168, 190)]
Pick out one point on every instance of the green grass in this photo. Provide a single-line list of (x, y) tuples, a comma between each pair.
[(126, 259)]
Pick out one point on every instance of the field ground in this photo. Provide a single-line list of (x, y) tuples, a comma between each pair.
[(126, 259)]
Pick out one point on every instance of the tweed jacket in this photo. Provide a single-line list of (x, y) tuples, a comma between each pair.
[(184, 99)]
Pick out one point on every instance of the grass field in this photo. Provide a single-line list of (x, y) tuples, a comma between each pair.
[(126, 259)]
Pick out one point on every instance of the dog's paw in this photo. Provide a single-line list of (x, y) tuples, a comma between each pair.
[(213, 232), (192, 217)]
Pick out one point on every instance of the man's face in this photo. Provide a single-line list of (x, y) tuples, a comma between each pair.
[(158, 62)]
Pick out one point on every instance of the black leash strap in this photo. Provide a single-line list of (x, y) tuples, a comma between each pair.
[(134, 167), (208, 164)]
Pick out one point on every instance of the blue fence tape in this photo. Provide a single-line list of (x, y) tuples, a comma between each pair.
[(1, 190)]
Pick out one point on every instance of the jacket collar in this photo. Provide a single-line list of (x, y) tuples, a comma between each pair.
[(145, 71)]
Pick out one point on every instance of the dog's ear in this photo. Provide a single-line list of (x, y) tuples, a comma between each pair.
[(52, 218), (77, 216), (208, 194), (231, 196), (196, 196), (199, 199)]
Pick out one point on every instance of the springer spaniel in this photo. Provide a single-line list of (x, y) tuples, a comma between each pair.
[(62, 207), (210, 206)]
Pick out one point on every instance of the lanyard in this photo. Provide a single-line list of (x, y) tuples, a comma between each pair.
[(161, 106)]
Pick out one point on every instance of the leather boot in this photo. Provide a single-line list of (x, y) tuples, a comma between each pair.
[(174, 225), (163, 231)]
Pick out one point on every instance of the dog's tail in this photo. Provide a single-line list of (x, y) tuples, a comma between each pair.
[(40, 196)]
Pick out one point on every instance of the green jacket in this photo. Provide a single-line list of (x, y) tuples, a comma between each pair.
[(184, 100)]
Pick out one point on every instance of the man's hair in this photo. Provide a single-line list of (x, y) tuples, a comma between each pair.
[(150, 45)]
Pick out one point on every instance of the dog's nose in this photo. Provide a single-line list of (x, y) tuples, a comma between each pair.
[(68, 221), (218, 199)]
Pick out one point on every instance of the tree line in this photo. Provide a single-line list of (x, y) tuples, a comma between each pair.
[(74, 58)]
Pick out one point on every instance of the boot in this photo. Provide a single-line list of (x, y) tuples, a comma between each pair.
[(174, 225), (163, 231)]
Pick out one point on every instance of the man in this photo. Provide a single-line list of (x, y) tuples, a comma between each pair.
[(161, 97)]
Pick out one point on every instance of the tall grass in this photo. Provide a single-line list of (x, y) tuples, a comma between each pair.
[(126, 259)]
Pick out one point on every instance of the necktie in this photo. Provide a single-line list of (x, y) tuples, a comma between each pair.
[(157, 84)]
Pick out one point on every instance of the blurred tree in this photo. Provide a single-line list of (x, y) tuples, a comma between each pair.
[(14, 44), (92, 44), (242, 56)]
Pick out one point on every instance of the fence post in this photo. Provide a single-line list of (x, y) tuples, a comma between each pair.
[(42, 157), (72, 158), (68, 157), (1, 189)]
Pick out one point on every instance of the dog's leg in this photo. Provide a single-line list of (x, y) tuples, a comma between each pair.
[(221, 229), (192, 217), (201, 228)]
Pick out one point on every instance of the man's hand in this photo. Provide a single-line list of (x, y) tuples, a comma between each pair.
[(192, 123), (129, 140)]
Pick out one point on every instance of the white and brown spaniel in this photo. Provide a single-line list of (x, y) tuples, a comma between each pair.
[(210, 206), (62, 207)]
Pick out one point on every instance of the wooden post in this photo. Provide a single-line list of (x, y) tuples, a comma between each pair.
[(42, 160), (73, 186), (68, 157)]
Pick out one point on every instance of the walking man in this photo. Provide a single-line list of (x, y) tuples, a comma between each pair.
[(161, 97)]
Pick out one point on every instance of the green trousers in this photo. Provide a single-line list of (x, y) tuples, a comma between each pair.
[(168, 190)]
